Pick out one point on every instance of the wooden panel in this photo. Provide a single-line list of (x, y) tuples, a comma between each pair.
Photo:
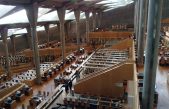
[(9, 91), (165, 20), (109, 35), (49, 51), (124, 44), (104, 84), (20, 68), (1, 70)]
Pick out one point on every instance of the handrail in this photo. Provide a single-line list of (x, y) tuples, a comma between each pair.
[(89, 76), (46, 103)]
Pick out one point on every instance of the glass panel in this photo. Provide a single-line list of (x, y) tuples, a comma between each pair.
[(52, 25), (82, 15), (18, 17), (112, 4), (16, 31), (21, 17), (40, 28), (4, 9), (20, 31), (52, 16), (42, 11), (70, 16)]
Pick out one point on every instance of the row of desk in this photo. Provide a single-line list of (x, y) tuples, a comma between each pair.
[(92, 102), (61, 80), (14, 95)]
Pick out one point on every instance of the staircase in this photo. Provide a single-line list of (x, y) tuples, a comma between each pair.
[(94, 74), (99, 83)]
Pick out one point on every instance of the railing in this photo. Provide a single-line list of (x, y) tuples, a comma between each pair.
[(46, 103)]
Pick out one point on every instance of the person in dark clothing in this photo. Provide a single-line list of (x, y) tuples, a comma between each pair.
[(70, 85), (66, 88)]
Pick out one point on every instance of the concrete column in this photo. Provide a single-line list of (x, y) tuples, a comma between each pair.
[(94, 20), (146, 14), (77, 16), (137, 27), (47, 33), (13, 45), (66, 30), (135, 15), (141, 33), (153, 37), (29, 37), (61, 15), (4, 34), (99, 19), (87, 26), (58, 29), (32, 13)]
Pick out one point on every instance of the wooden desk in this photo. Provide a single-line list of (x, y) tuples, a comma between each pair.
[(9, 91)]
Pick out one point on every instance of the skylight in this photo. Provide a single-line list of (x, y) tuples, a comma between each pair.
[(5, 9), (44, 14), (112, 4)]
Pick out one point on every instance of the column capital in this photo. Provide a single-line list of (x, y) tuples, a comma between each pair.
[(28, 31), (87, 15), (77, 15), (61, 14), (32, 13), (46, 28), (94, 14), (12, 37), (4, 34)]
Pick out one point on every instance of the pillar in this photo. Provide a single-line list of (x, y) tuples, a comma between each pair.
[(87, 26), (99, 19), (58, 26), (153, 37), (66, 30), (135, 15), (4, 34), (47, 33), (137, 21), (141, 33), (29, 37), (32, 13), (13, 45), (146, 14), (58, 29), (61, 15), (77, 16), (94, 20)]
